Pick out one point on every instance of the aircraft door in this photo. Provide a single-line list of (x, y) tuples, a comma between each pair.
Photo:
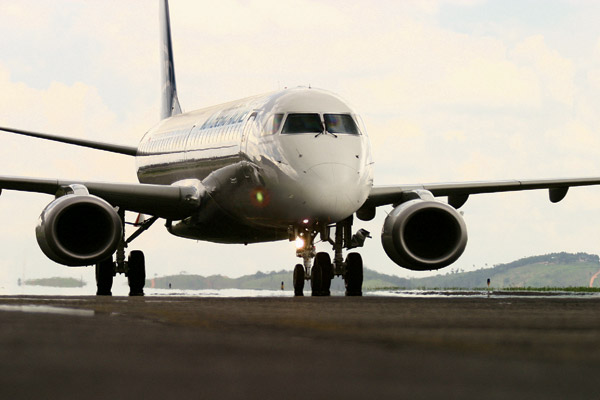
[(250, 130)]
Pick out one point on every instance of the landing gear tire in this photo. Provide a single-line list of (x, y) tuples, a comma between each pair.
[(104, 277), (321, 275), (315, 279), (326, 273), (136, 274), (354, 274), (299, 280)]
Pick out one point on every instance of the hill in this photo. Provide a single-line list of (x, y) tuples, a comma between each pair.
[(551, 270), (264, 281), (55, 282)]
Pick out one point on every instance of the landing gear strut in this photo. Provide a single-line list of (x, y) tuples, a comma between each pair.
[(134, 267), (324, 270)]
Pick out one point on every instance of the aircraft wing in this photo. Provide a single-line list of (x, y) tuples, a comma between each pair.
[(169, 202), (112, 148), (459, 192)]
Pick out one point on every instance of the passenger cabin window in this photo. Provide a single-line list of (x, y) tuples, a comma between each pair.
[(341, 123), (303, 123)]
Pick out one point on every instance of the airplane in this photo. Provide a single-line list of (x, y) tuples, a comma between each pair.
[(294, 165)]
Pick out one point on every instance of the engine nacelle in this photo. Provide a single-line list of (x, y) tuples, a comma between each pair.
[(424, 235), (78, 230)]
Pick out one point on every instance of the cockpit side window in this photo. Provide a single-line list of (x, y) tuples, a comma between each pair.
[(273, 124), (341, 123), (303, 123), (277, 120)]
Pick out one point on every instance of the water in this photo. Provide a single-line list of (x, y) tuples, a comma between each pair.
[(123, 290), (412, 293), (41, 309)]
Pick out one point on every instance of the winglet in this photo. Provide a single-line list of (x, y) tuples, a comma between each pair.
[(170, 103)]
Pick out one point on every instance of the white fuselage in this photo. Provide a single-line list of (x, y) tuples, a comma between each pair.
[(261, 173)]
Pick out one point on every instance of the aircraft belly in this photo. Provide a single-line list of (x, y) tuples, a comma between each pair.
[(242, 191), (227, 233), (219, 227)]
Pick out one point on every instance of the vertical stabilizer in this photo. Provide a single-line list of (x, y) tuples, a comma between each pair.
[(170, 103)]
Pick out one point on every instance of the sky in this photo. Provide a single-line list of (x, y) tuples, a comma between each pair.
[(455, 90)]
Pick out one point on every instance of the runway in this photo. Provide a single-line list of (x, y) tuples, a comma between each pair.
[(299, 348)]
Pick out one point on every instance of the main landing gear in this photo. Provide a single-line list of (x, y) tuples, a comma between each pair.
[(323, 269), (134, 267)]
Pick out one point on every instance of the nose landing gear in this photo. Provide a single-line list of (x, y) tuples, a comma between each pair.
[(324, 270), (299, 280), (322, 274)]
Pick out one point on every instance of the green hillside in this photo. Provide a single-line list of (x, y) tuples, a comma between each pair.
[(257, 281), (55, 282), (265, 281), (551, 270)]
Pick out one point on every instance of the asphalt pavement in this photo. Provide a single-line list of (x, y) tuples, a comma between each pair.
[(299, 348)]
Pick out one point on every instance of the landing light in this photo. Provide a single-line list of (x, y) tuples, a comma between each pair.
[(299, 243), (305, 221)]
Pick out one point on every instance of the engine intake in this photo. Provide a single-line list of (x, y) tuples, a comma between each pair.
[(424, 235), (78, 230)]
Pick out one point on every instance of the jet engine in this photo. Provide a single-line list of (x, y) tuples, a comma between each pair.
[(424, 235), (78, 230)]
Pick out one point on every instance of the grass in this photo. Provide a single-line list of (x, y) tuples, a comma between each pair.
[(573, 289)]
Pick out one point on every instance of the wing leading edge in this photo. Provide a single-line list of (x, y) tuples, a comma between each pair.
[(169, 202), (112, 148), (459, 192)]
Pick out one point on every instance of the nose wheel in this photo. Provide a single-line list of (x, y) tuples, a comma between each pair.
[(321, 275), (299, 280), (354, 274), (323, 270)]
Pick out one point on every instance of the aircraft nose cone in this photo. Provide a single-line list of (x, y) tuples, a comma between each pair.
[(334, 175), (335, 190)]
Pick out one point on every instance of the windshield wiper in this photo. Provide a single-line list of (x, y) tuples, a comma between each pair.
[(325, 131)]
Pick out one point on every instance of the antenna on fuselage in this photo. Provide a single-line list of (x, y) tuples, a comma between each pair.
[(170, 103)]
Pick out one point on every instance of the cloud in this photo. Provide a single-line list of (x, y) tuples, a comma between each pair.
[(555, 73), (440, 105), (70, 110), (491, 83)]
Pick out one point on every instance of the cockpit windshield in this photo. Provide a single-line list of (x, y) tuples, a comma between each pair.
[(303, 123), (312, 123), (340, 123)]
